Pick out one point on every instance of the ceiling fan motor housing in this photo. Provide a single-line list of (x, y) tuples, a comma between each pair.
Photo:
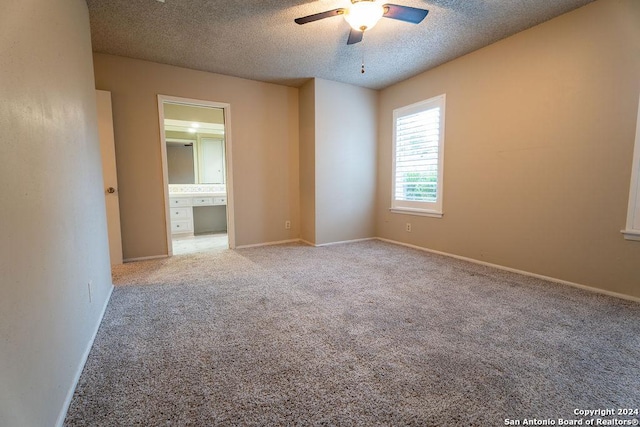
[(364, 14)]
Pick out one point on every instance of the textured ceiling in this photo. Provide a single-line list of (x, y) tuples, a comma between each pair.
[(258, 39)]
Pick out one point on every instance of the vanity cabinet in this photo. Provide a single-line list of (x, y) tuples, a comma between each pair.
[(181, 211), (180, 201), (181, 219), (202, 201)]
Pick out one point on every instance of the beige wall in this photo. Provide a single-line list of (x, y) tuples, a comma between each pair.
[(53, 227), (345, 161), (538, 150), (307, 162), (193, 113), (337, 162), (264, 130)]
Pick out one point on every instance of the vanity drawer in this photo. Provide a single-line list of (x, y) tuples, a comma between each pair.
[(219, 200), (180, 213), (179, 201), (202, 201), (181, 226)]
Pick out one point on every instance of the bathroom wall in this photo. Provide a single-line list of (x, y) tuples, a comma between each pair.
[(209, 219), (180, 164)]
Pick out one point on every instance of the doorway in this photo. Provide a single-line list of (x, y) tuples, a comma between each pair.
[(197, 175)]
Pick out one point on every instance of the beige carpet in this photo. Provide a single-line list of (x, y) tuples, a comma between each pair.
[(367, 333)]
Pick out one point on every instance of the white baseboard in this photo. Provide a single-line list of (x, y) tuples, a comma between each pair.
[(475, 261), (306, 242), (279, 242), (145, 258), (515, 270), (342, 242), (67, 402)]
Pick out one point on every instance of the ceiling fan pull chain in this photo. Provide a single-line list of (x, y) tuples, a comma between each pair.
[(362, 69)]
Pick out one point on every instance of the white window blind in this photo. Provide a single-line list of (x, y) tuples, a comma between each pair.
[(418, 157)]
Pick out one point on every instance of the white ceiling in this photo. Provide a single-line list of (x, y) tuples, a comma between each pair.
[(258, 39)]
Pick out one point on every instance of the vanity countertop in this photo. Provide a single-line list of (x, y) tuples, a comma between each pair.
[(202, 194)]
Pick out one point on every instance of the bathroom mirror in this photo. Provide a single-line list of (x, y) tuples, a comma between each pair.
[(195, 144)]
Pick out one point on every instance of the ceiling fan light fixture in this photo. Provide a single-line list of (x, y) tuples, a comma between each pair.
[(364, 15)]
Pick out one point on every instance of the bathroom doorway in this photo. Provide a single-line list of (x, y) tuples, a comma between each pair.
[(197, 178)]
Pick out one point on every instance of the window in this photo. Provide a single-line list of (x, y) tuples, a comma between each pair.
[(418, 151), (632, 230)]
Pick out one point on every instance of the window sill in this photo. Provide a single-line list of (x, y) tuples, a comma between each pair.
[(631, 234), (417, 212)]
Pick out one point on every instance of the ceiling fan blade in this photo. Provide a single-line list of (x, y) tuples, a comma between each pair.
[(355, 36), (404, 13), (319, 16)]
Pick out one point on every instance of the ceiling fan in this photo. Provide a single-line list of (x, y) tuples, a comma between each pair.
[(363, 15)]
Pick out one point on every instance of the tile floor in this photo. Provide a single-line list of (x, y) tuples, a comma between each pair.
[(200, 243)]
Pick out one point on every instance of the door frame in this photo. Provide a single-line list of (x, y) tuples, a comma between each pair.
[(231, 231)]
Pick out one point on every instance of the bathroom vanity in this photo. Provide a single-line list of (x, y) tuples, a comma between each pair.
[(188, 201)]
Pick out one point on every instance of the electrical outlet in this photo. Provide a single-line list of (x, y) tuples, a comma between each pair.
[(408, 227), (287, 225), (89, 287)]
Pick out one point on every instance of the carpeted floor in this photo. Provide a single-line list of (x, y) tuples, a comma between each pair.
[(366, 333)]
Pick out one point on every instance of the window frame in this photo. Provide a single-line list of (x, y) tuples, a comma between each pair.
[(632, 230), (430, 209)]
